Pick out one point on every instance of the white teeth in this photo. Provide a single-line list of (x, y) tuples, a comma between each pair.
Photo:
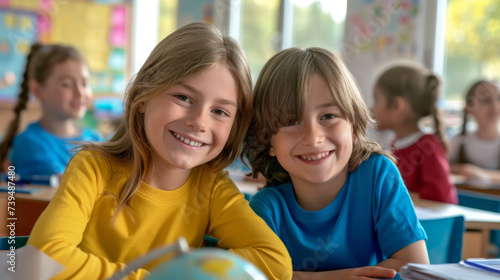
[(316, 157), (187, 141)]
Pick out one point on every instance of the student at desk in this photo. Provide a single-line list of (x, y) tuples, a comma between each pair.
[(476, 154), (160, 176), (58, 77), (334, 198), (404, 94)]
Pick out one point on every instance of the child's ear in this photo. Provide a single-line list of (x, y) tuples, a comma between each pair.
[(36, 88), (272, 152), (400, 104)]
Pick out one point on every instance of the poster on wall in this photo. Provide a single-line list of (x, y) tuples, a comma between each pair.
[(384, 29), (18, 30), (98, 30)]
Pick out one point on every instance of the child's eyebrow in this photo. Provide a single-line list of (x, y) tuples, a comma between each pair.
[(328, 105), (196, 91)]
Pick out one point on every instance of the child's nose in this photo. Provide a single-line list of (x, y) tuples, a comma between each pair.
[(197, 119), (312, 134), (80, 91)]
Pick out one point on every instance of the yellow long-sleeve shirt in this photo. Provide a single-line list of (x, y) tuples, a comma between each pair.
[(75, 229)]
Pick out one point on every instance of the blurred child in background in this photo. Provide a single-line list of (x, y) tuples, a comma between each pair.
[(403, 95), (476, 154), (160, 176), (58, 77), (335, 199)]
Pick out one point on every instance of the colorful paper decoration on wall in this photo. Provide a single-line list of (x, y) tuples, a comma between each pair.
[(99, 31)]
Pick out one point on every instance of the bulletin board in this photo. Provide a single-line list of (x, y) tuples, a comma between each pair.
[(98, 30), (17, 33)]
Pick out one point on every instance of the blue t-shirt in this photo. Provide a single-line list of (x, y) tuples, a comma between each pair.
[(371, 218), (38, 152)]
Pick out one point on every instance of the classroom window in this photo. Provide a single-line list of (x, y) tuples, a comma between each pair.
[(289, 23), (318, 23), (472, 49), (259, 31)]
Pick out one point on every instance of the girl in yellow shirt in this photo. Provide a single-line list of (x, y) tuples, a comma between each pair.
[(160, 176)]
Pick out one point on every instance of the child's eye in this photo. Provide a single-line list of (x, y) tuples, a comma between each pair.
[(182, 98), (220, 112), (328, 116)]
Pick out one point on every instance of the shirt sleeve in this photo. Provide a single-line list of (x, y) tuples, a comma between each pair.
[(237, 226), (435, 175), (60, 228), (395, 220)]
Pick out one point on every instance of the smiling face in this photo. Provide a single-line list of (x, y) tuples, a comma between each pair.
[(66, 93), (189, 124), (317, 148)]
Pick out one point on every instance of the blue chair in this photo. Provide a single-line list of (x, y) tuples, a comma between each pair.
[(20, 241), (483, 201), (444, 238)]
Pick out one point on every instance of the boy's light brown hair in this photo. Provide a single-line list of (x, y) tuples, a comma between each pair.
[(279, 96)]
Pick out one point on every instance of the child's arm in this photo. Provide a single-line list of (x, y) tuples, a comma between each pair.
[(60, 228), (471, 171), (238, 228), (413, 253)]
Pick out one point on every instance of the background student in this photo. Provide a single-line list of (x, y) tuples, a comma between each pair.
[(58, 77), (476, 154), (160, 176), (403, 95), (335, 199)]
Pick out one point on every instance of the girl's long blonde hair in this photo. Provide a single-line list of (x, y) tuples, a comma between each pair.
[(279, 95), (184, 53)]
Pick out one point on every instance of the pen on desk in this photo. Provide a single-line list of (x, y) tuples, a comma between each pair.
[(482, 266)]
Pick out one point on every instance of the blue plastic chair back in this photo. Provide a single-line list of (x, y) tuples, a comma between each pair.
[(444, 238), (482, 201), (18, 242)]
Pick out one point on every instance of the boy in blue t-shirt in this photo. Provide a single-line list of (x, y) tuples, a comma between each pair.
[(335, 199)]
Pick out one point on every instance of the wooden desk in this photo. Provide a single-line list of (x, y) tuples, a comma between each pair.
[(475, 185), (481, 188), (27, 209), (482, 222)]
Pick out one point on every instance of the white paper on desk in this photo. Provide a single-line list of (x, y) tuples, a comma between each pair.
[(425, 213), (30, 263), (450, 271)]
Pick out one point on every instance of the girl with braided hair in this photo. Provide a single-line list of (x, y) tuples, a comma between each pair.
[(58, 77), (404, 94)]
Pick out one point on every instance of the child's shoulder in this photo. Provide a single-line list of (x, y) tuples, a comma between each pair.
[(376, 160), (274, 192), (100, 160), (91, 135), (33, 131)]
